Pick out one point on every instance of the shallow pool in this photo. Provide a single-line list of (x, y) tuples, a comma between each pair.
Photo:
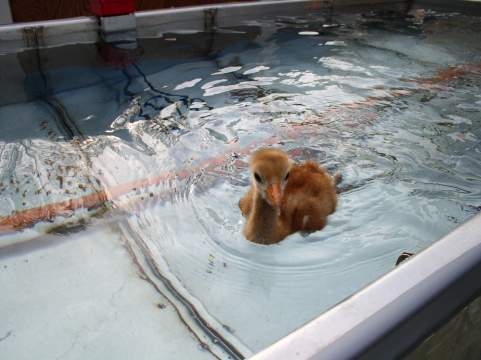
[(153, 156)]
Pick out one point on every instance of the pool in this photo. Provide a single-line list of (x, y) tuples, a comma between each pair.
[(120, 232)]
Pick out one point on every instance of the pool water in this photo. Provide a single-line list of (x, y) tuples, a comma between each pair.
[(392, 102)]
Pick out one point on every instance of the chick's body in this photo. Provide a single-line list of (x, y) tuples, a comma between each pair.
[(309, 197)]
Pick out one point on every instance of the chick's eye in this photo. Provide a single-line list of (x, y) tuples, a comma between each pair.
[(258, 178), (287, 177)]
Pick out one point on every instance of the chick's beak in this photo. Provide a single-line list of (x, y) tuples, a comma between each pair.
[(274, 194)]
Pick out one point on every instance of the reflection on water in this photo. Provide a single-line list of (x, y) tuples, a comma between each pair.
[(163, 144)]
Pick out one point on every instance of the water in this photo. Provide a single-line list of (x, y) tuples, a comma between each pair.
[(391, 102)]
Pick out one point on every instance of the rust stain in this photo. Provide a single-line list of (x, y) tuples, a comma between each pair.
[(452, 72), (22, 219)]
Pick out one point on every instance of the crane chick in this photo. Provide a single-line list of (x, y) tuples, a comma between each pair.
[(285, 197)]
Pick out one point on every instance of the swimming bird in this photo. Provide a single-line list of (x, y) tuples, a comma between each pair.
[(286, 197)]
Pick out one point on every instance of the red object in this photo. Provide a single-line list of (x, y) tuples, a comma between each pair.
[(112, 7), (118, 57)]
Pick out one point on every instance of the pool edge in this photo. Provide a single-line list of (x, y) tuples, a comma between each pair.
[(391, 315), (21, 36)]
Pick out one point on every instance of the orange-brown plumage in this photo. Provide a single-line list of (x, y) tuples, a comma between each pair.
[(285, 197)]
